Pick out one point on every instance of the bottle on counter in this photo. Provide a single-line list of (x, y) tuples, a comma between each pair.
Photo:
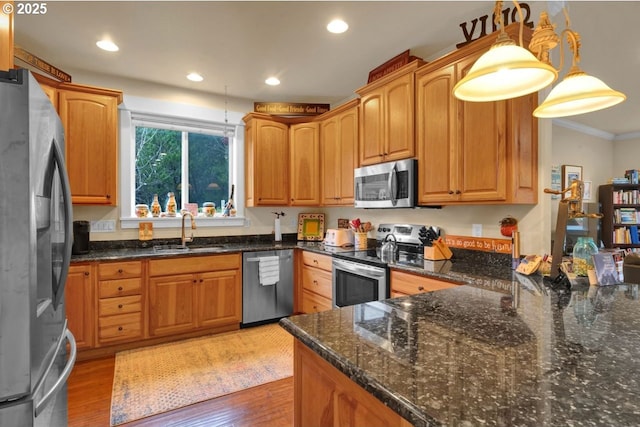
[(171, 205), (155, 207), (583, 251)]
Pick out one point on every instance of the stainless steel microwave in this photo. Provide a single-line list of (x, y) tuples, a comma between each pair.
[(386, 185)]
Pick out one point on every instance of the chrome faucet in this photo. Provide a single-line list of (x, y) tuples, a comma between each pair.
[(185, 239)]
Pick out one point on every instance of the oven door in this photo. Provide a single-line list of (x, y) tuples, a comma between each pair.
[(356, 283)]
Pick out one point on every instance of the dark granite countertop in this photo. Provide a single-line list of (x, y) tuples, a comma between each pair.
[(524, 355)]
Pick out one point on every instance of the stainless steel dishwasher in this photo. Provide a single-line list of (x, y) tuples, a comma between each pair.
[(262, 303)]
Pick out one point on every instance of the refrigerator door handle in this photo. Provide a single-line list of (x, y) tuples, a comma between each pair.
[(42, 403), (68, 217)]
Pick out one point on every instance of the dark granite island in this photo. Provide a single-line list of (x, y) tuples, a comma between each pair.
[(469, 356)]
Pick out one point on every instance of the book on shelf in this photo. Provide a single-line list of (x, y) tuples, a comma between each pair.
[(619, 180), (626, 215), (626, 197), (621, 235), (631, 175), (605, 267), (633, 234)]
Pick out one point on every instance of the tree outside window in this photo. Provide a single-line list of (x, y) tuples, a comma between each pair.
[(169, 160)]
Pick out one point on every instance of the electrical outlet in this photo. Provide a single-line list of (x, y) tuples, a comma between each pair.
[(476, 230), (247, 222), (103, 226)]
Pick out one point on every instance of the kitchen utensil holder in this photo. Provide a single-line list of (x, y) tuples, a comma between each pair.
[(438, 251), (361, 240)]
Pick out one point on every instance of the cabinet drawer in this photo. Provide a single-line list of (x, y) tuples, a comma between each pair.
[(119, 288), (313, 303), (120, 305), (119, 270), (121, 327), (316, 260), (194, 264), (318, 281), (410, 284)]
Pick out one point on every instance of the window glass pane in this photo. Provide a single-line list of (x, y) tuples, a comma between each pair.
[(158, 164), (208, 169)]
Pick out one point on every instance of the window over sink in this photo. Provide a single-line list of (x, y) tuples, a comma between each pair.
[(165, 152)]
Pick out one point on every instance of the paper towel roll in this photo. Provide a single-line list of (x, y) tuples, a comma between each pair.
[(278, 231)]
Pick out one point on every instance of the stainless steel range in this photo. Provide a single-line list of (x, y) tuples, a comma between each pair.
[(363, 276)]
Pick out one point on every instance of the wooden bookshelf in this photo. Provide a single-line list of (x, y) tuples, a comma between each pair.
[(620, 205)]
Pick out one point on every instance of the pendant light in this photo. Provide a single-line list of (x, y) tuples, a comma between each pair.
[(506, 70), (578, 93)]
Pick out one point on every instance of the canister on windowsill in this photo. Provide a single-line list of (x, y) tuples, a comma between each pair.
[(515, 249)]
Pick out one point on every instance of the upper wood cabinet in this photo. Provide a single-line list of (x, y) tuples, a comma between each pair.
[(338, 154), (90, 119), (266, 161), (304, 153), (469, 152), (387, 117)]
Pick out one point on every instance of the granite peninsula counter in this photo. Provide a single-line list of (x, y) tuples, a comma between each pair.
[(501, 351)]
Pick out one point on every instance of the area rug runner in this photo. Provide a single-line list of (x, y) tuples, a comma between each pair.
[(161, 378)]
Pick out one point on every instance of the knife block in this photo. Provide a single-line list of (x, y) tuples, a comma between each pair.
[(437, 252)]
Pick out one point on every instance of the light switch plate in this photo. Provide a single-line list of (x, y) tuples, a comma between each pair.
[(103, 226), (476, 230)]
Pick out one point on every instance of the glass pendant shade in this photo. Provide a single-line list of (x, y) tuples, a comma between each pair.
[(578, 93), (505, 71)]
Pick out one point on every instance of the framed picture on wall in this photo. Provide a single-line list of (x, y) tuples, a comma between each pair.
[(586, 197), (569, 173)]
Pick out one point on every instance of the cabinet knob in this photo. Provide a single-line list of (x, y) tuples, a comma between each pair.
[(450, 191), (195, 281), (119, 288), (315, 282), (458, 192), (86, 273), (108, 196), (421, 288), (120, 328), (315, 261), (119, 305), (201, 280), (120, 271)]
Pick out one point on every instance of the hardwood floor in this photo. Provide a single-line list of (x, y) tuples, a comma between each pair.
[(89, 396)]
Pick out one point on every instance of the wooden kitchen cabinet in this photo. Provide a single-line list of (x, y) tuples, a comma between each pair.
[(484, 152), (403, 284), (78, 297), (386, 125), (324, 396), (304, 146), (194, 293), (90, 120), (266, 161), (338, 154), (316, 279), (120, 297)]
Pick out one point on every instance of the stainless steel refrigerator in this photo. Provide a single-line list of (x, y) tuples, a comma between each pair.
[(37, 351)]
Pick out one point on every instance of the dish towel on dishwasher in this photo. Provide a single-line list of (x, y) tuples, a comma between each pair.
[(269, 270)]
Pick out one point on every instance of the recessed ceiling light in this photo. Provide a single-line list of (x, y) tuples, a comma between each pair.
[(337, 26), (195, 77), (272, 81), (107, 45)]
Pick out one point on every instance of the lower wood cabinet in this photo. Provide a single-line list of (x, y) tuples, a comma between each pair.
[(324, 396), (403, 284), (120, 299), (316, 278), (194, 293), (79, 304)]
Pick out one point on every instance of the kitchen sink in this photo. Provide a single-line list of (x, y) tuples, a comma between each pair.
[(170, 248), (180, 248)]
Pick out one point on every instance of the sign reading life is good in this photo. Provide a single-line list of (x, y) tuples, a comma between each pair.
[(480, 27), (486, 244)]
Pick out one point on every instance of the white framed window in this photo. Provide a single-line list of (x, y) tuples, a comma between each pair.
[(175, 147)]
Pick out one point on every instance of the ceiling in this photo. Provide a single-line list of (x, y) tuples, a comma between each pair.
[(236, 45)]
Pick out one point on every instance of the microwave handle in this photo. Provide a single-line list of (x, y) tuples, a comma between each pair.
[(393, 185)]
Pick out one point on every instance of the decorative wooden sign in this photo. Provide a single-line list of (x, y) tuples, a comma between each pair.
[(290, 108), (487, 26), (33, 60), (391, 65), (486, 244)]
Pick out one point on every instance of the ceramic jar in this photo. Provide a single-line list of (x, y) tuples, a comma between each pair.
[(142, 210), (155, 207), (209, 209), (171, 205), (582, 255)]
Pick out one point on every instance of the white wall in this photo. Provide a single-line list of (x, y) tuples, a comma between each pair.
[(557, 145)]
